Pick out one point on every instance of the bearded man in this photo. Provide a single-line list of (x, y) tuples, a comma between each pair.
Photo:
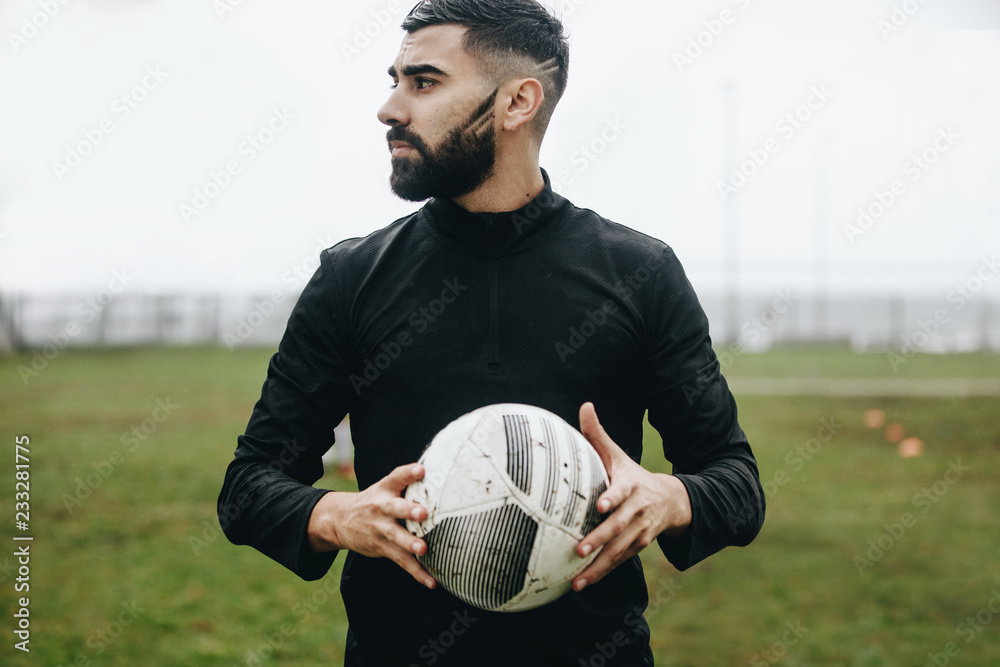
[(479, 298)]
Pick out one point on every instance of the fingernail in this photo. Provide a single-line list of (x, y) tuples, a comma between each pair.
[(603, 505), (580, 585), (415, 470), (586, 550), (429, 583), (415, 514)]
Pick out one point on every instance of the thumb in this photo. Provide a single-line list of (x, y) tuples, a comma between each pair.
[(592, 430), (402, 476)]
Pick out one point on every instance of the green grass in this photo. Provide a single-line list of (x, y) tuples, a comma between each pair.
[(148, 532), (805, 362)]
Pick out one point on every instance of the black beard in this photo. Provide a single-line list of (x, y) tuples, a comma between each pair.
[(462, 162)]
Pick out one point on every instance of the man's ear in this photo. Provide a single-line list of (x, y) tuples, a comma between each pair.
[(526, 97)]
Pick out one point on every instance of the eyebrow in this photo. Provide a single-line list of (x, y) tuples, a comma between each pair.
[(417, 70)]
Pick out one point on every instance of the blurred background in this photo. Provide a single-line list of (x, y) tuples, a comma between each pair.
[(828, 173), (762, 140)]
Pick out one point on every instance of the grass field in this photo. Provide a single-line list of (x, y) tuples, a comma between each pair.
[(865, 558)]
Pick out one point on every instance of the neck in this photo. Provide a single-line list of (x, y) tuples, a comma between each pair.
[(514, 184)]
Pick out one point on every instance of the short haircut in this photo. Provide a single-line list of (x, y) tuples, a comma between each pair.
[(512, 38)]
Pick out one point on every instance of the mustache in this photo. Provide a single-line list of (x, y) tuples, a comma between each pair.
[(474, 124), (400, 133)]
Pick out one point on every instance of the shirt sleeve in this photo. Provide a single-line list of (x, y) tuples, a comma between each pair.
[(691, 407), (267, 495)]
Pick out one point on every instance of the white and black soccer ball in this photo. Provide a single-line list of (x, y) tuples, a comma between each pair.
[(510, 490)]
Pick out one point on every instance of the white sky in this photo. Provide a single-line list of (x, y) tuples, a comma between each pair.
[(324, 176)]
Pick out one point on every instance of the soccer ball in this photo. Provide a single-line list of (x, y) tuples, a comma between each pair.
[(510, 490)]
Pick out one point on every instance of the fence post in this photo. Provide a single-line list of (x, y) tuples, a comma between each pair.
[(897, 319), (7, 336)]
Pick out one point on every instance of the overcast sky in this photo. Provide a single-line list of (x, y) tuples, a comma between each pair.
[(114, 117)]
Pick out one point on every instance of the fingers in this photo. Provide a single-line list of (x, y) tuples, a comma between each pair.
[(368, 522), (613, 497), (398, 537), (402, 477), (614, 554), (622, 535), (592, 430), (406, 561), (399, 508), (399, 545), (612, 526), (395, 483)]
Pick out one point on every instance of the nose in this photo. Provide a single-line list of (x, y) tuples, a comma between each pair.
[(393, 112)]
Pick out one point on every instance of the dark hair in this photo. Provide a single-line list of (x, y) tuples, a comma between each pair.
[(511, 37)]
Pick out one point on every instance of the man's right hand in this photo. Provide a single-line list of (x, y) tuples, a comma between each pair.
[(368, 522)]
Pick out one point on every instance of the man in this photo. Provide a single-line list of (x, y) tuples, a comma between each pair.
[(497, 290)]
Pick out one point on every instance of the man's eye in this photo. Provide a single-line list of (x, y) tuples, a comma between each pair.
[(419, 84)]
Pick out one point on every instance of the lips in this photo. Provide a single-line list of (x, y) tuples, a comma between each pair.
[(401, 142), (401, 148)]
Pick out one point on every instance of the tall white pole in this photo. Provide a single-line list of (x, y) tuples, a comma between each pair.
[(731, 249)]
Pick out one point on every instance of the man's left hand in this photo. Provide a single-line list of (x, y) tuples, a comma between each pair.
[(642, 505)]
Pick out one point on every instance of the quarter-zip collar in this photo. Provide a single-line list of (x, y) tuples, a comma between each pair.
[(501, 233)]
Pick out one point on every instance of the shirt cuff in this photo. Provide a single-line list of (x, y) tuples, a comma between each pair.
[(311, 565)]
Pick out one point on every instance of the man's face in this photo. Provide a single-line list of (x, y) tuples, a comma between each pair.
[(441, 117)]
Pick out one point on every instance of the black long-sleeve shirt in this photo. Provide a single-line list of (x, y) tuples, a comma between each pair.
[(445, 311)]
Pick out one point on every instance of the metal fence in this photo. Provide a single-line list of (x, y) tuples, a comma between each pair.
[(753, 321)]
